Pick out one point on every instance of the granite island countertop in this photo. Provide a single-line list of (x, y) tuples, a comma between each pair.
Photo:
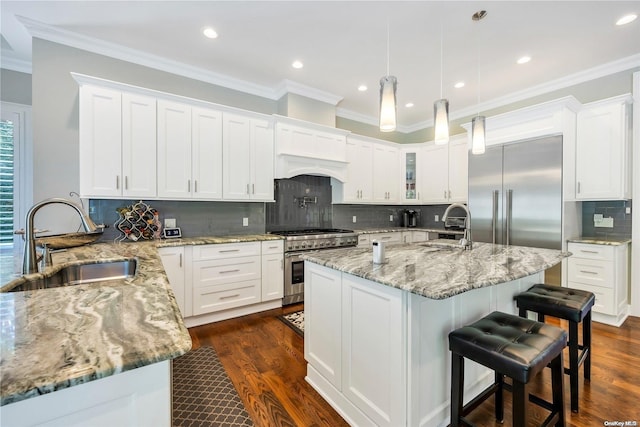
[(399, 229), (440, 270), (60, 337)]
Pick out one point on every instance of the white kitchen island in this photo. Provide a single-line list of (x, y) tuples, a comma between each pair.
[(376, 336)]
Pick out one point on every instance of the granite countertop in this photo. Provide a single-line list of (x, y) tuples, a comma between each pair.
[(60, 337), (611, 241), (396, 229), (440, 270)]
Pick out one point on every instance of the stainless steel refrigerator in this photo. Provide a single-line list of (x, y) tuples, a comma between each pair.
[(515, 195)]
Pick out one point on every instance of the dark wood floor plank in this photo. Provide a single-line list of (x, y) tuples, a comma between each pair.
[(265, 360)]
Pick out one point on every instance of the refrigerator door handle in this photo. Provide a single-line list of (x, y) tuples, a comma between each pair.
[(494, 215), (509, 206)]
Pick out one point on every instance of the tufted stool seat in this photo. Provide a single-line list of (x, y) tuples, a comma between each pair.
[(573, 305), (513, 346)]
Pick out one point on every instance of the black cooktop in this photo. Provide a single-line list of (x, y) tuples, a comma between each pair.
[(311, 231)]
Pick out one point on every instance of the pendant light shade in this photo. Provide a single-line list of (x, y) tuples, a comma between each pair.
[(477, 135), (388, 86), (441, 118)]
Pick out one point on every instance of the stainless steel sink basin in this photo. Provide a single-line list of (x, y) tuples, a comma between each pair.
[(79, 274)]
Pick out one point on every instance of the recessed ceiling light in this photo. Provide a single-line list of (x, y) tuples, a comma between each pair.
[(297, 64), (524, 60), (458, 85), (409, 104), (362, 88), (210, 32), (626, 19)]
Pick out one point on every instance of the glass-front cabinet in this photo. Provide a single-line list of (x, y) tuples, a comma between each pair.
[(411, 174)]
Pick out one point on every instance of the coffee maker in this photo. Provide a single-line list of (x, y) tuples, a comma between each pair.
[(409, 218)]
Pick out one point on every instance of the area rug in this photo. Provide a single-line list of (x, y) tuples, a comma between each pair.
[(203, 394), (295, 321)]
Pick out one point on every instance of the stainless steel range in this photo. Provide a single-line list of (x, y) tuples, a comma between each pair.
[(298, 242)]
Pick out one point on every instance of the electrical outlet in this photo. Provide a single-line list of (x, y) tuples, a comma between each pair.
[(169, 223), (627, 210), (391, 218), (245, 222), (436, 218), (354, 219)]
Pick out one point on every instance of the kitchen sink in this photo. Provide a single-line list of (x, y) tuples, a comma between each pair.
[(79, 274)]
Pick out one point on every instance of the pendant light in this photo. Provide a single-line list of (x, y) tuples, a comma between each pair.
[(388, 86), (441, 108), (478, 122)]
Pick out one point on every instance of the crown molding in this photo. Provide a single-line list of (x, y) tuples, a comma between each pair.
[(290, 86), (14, 64), (69, 38), (113, 50)]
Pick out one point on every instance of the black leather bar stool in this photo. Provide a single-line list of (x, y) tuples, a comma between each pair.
[(513, 346), (573, 305)]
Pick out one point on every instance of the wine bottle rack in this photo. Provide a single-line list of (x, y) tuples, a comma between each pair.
[(137, 222)]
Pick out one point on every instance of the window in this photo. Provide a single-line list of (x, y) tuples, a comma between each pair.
[(15, 184)]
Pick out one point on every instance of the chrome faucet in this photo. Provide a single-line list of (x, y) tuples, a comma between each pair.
[(466, 240), (30, 261)]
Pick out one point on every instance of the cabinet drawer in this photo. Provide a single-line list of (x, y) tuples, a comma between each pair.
[(226, 250), (364, 240), (394, 237), (591, 272), (273, 247), (217, 272), (583, 250), (419, 236), (215, 298), (604, 303)]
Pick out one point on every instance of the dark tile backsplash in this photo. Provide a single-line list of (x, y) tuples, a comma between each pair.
[(614, 209), (194, 218), (376, 216), (301, 202)]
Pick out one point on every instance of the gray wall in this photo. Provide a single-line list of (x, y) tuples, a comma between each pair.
[(15, 87), (310, 110)]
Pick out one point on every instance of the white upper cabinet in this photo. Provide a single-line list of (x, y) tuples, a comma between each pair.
[(386, 174), (117, 143), (248, 158), (444, 170), (410, 174), (189, 152), (174, 150), (138, 145), (458, 169), (359, 184), (373, 172), (206, 152), (100, 142), (603, 157)]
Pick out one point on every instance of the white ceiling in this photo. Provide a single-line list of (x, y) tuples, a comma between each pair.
[(343, 45)]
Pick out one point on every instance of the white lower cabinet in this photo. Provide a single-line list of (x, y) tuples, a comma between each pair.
[(272, 270), (173, 262), (226, 276), (221, 281), (373, 365), (603, 270), (138, 397), (367, 369)]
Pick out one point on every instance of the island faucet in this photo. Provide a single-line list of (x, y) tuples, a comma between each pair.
[(30, 261), (466, 241)]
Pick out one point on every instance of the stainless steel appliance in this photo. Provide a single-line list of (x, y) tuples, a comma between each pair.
[(409, 218), (298, 242), (515, 195)]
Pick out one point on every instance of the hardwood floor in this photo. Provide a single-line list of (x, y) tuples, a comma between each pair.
[(265, 360)]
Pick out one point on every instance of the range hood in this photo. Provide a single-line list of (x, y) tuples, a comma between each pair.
[(304, 148)]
